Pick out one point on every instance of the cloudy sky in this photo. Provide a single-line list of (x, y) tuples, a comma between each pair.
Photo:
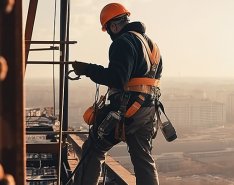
[(195, 36)]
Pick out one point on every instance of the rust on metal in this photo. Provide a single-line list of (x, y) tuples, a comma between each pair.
[(112, 164), (12, 133), (43, 148), (122, 172), (9, 6), (49, 42), (50, 62), (32, 9), (3, 68)]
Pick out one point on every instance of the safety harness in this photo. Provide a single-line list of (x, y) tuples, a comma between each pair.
[(147, 85)]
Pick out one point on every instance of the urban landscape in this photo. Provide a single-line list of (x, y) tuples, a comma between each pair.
[(201, 110)]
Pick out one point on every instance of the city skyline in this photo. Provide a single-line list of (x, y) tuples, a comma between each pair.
[(184, 96)]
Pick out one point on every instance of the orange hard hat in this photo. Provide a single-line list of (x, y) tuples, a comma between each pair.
[(111, 11)]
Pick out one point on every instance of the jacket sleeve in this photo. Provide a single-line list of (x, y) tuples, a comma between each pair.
[(122, 57), (159, 71)]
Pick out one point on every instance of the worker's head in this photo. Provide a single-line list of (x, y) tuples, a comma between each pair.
[(114, 17)]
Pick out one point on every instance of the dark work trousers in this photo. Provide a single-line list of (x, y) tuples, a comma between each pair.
[(139, 133)]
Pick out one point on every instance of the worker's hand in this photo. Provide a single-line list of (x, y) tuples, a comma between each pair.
[(80, 68)]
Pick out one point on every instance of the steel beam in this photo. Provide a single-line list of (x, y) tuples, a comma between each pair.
[(49, 42), (55, 132), (113, 167), (12, 133), (43, 148), (50, 62), (45, 49), (32, 9), (63, 85)]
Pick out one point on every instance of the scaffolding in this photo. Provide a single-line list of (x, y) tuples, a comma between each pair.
[(47, 159)]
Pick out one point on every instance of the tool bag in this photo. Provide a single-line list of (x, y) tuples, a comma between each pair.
[(90, 114), (114, 121)]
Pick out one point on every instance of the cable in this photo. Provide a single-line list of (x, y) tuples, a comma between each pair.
[(54, 98), (95, 102), (87, 151), (55, 13), (66, 8)]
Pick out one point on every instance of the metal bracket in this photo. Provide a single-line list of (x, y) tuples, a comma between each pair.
[(7, 5), (3, 68)]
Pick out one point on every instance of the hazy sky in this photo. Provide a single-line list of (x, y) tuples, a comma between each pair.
[(195, 36)]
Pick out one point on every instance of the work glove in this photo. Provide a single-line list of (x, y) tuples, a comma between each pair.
[(80, 68)]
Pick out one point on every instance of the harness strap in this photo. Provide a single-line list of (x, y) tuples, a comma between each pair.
[(154, 55), (160, 108), (166, 127), (135, 106), (143, 81), (144, 85)]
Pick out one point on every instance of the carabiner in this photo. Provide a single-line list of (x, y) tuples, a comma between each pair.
[(70, 78)]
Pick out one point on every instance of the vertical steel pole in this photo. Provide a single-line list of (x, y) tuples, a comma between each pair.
[(65, 31), (63, 98), (12, 119)]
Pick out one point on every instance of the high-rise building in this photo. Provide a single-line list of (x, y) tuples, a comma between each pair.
[(230, 107), (185, 111)]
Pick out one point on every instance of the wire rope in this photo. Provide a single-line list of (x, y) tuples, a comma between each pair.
[(65, 50), (84, 154), (54, 24), (54, 95)]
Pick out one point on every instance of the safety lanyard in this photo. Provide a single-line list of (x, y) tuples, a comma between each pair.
[(124, 103)]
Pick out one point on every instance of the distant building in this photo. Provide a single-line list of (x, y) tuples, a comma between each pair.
[(230, 107), (169, 162), (41, 168), (185, 111)]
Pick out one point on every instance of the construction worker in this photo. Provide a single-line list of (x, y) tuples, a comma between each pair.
[(128, 59)]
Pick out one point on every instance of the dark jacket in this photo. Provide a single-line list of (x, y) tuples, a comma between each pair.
[(126, 59)]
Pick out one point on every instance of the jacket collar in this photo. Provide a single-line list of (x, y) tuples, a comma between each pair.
[(133, 26)]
